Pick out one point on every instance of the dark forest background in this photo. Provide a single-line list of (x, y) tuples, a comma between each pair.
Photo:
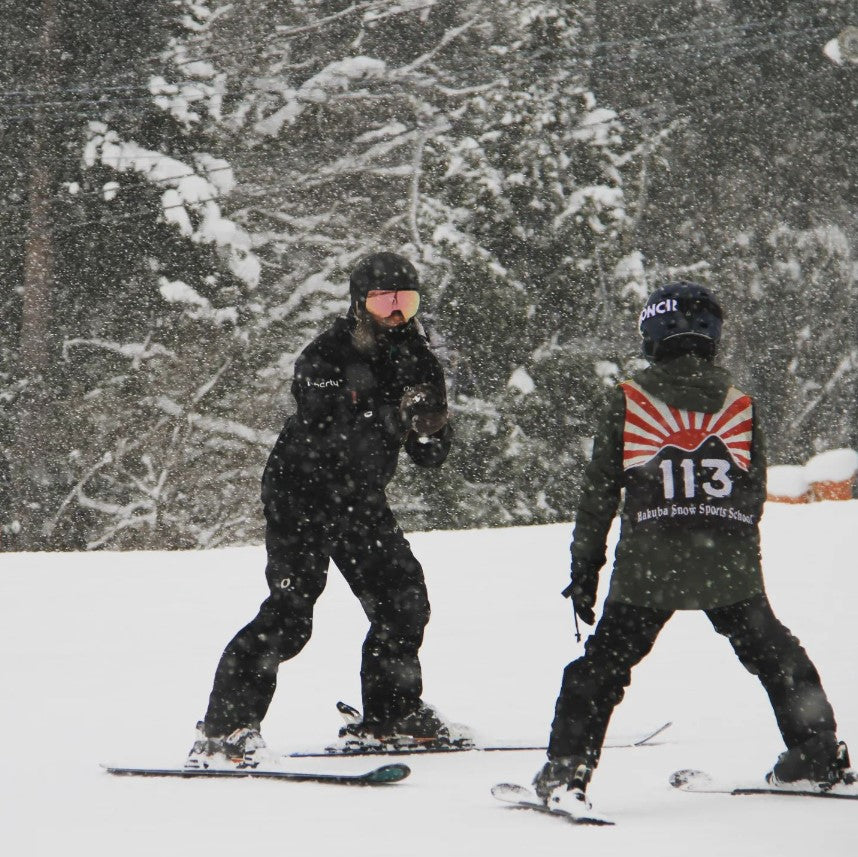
[(187, 184)]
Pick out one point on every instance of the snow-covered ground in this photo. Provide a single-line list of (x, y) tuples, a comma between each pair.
[(109, 658)]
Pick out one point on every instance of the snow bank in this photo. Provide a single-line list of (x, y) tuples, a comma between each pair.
[(787, 480), (835, 465), (827, 476)]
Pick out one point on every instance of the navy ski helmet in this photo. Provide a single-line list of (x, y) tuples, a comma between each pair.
[(681, 318), (382, 272)]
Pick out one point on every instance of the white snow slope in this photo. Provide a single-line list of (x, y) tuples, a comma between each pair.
[(109, 658)]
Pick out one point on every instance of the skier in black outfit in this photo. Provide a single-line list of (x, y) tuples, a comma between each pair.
[(364, 388), (687, 448)]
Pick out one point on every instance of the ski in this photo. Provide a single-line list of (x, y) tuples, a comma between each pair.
[(352, 715), (383, 775), (519, 797), (701, 783)]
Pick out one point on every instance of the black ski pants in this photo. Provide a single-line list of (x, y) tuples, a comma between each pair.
[(594, 684), (372, 554)]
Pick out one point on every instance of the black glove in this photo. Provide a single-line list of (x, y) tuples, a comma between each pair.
[(423, 409), (582, 589)]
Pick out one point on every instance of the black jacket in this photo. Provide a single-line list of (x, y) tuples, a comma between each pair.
[(345, 437)]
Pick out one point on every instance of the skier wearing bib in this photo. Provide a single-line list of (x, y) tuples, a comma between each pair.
[(686, 447), (364, 389)]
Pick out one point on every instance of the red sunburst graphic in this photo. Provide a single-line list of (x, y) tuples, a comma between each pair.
[(652, 425)]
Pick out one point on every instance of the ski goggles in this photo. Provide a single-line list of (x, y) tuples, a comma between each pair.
[(385, 304)]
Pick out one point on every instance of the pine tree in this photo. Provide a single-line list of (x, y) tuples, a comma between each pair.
[(139, 267)]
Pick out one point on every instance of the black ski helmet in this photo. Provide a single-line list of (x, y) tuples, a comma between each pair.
[(382, 272), (681, 318)]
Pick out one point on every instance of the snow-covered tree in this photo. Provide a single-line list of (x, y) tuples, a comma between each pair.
[(752, 191), (143, 267), (189, 183), (458, 134), (208, 230)]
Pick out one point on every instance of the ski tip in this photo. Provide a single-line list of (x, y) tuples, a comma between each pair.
[(689, 779), (648, 739), (505, 790), (123, 769), (389, 773)]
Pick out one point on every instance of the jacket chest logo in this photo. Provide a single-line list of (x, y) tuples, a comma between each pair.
[(651, 425), (323, 382)]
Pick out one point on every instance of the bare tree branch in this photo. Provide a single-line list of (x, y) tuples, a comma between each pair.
[(448, 37)]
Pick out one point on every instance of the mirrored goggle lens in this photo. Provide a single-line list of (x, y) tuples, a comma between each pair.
[(385, 304)]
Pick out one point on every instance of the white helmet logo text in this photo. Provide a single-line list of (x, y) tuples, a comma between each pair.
[(662, 307)]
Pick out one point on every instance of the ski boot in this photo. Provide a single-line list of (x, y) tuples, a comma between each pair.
[(421, 729), (242, 748), (562, 783), (822, 761)]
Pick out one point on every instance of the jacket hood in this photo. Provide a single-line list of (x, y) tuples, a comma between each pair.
[(687, 382)]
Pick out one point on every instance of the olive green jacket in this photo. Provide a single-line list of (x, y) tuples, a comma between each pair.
[(687, 567)]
